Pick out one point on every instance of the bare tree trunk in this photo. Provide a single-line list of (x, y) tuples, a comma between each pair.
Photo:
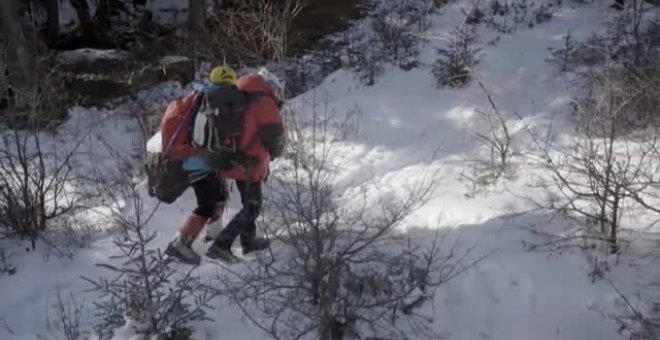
[(196, 16), (614, 225), (83, 12), (53, 14), (102, 20), (20, 54)]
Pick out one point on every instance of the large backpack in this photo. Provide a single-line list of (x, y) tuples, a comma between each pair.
[(221, 131), (166, 178)]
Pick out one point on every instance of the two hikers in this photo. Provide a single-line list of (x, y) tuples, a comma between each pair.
[(232, 130)]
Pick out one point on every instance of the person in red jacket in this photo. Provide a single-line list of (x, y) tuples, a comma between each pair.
[(261, 141), (232, 131), (182, 141)]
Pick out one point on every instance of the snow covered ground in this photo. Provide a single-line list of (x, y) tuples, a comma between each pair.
[(513, 294)]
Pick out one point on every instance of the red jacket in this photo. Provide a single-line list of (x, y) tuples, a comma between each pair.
[(263, 132)]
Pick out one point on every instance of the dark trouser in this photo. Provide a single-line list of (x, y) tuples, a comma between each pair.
[(209, 190), (244, 223)]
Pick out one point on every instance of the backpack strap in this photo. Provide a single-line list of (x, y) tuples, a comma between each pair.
[(193, 121), (254, 96)]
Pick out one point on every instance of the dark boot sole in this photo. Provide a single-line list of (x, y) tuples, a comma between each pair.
[(177, 256), (223, 260), (248, 249), (245, 252)]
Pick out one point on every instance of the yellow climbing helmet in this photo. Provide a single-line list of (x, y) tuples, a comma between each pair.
[(222, 74)]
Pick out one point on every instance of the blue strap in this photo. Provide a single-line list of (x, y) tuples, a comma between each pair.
[(197, 168), (203, 86), (196, 163)]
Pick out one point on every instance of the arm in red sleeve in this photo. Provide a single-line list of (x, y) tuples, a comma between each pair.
[(270, 127)]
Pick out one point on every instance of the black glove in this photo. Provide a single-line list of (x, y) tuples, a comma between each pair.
[(217, 161)]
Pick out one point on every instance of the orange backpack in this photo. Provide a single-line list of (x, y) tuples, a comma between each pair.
[(166, 179)]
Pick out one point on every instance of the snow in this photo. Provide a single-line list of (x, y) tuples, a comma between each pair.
[(90, 55), (168, 12), (173, 59), (154, 144), (518, 295), (407, 129), (165, 12)]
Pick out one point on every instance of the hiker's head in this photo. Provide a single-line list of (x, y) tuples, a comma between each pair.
[(222, 97)]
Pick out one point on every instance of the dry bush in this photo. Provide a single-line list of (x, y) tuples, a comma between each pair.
[(606, 171), (31, 85), (339, 267), (602, 174), (398, 25), (629, 40), (640, 88), (6, 268), (456, 60), (628, 49), (634, 36), (43, 106), (66, 313), (563, 57), (636, 86), (5, 90), (474, 15), (247, 33), (39, 188), (391, 33), (455, 68), (509, 16), (40, 191), (304, 73), (640, 316), (632, 43), (497, 140), (147, 289)]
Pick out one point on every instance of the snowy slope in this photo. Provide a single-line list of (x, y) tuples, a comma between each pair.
[(512, 294)]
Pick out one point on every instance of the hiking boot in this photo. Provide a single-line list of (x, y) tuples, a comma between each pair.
[(181, 248), (256, 244), (225, 255)]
